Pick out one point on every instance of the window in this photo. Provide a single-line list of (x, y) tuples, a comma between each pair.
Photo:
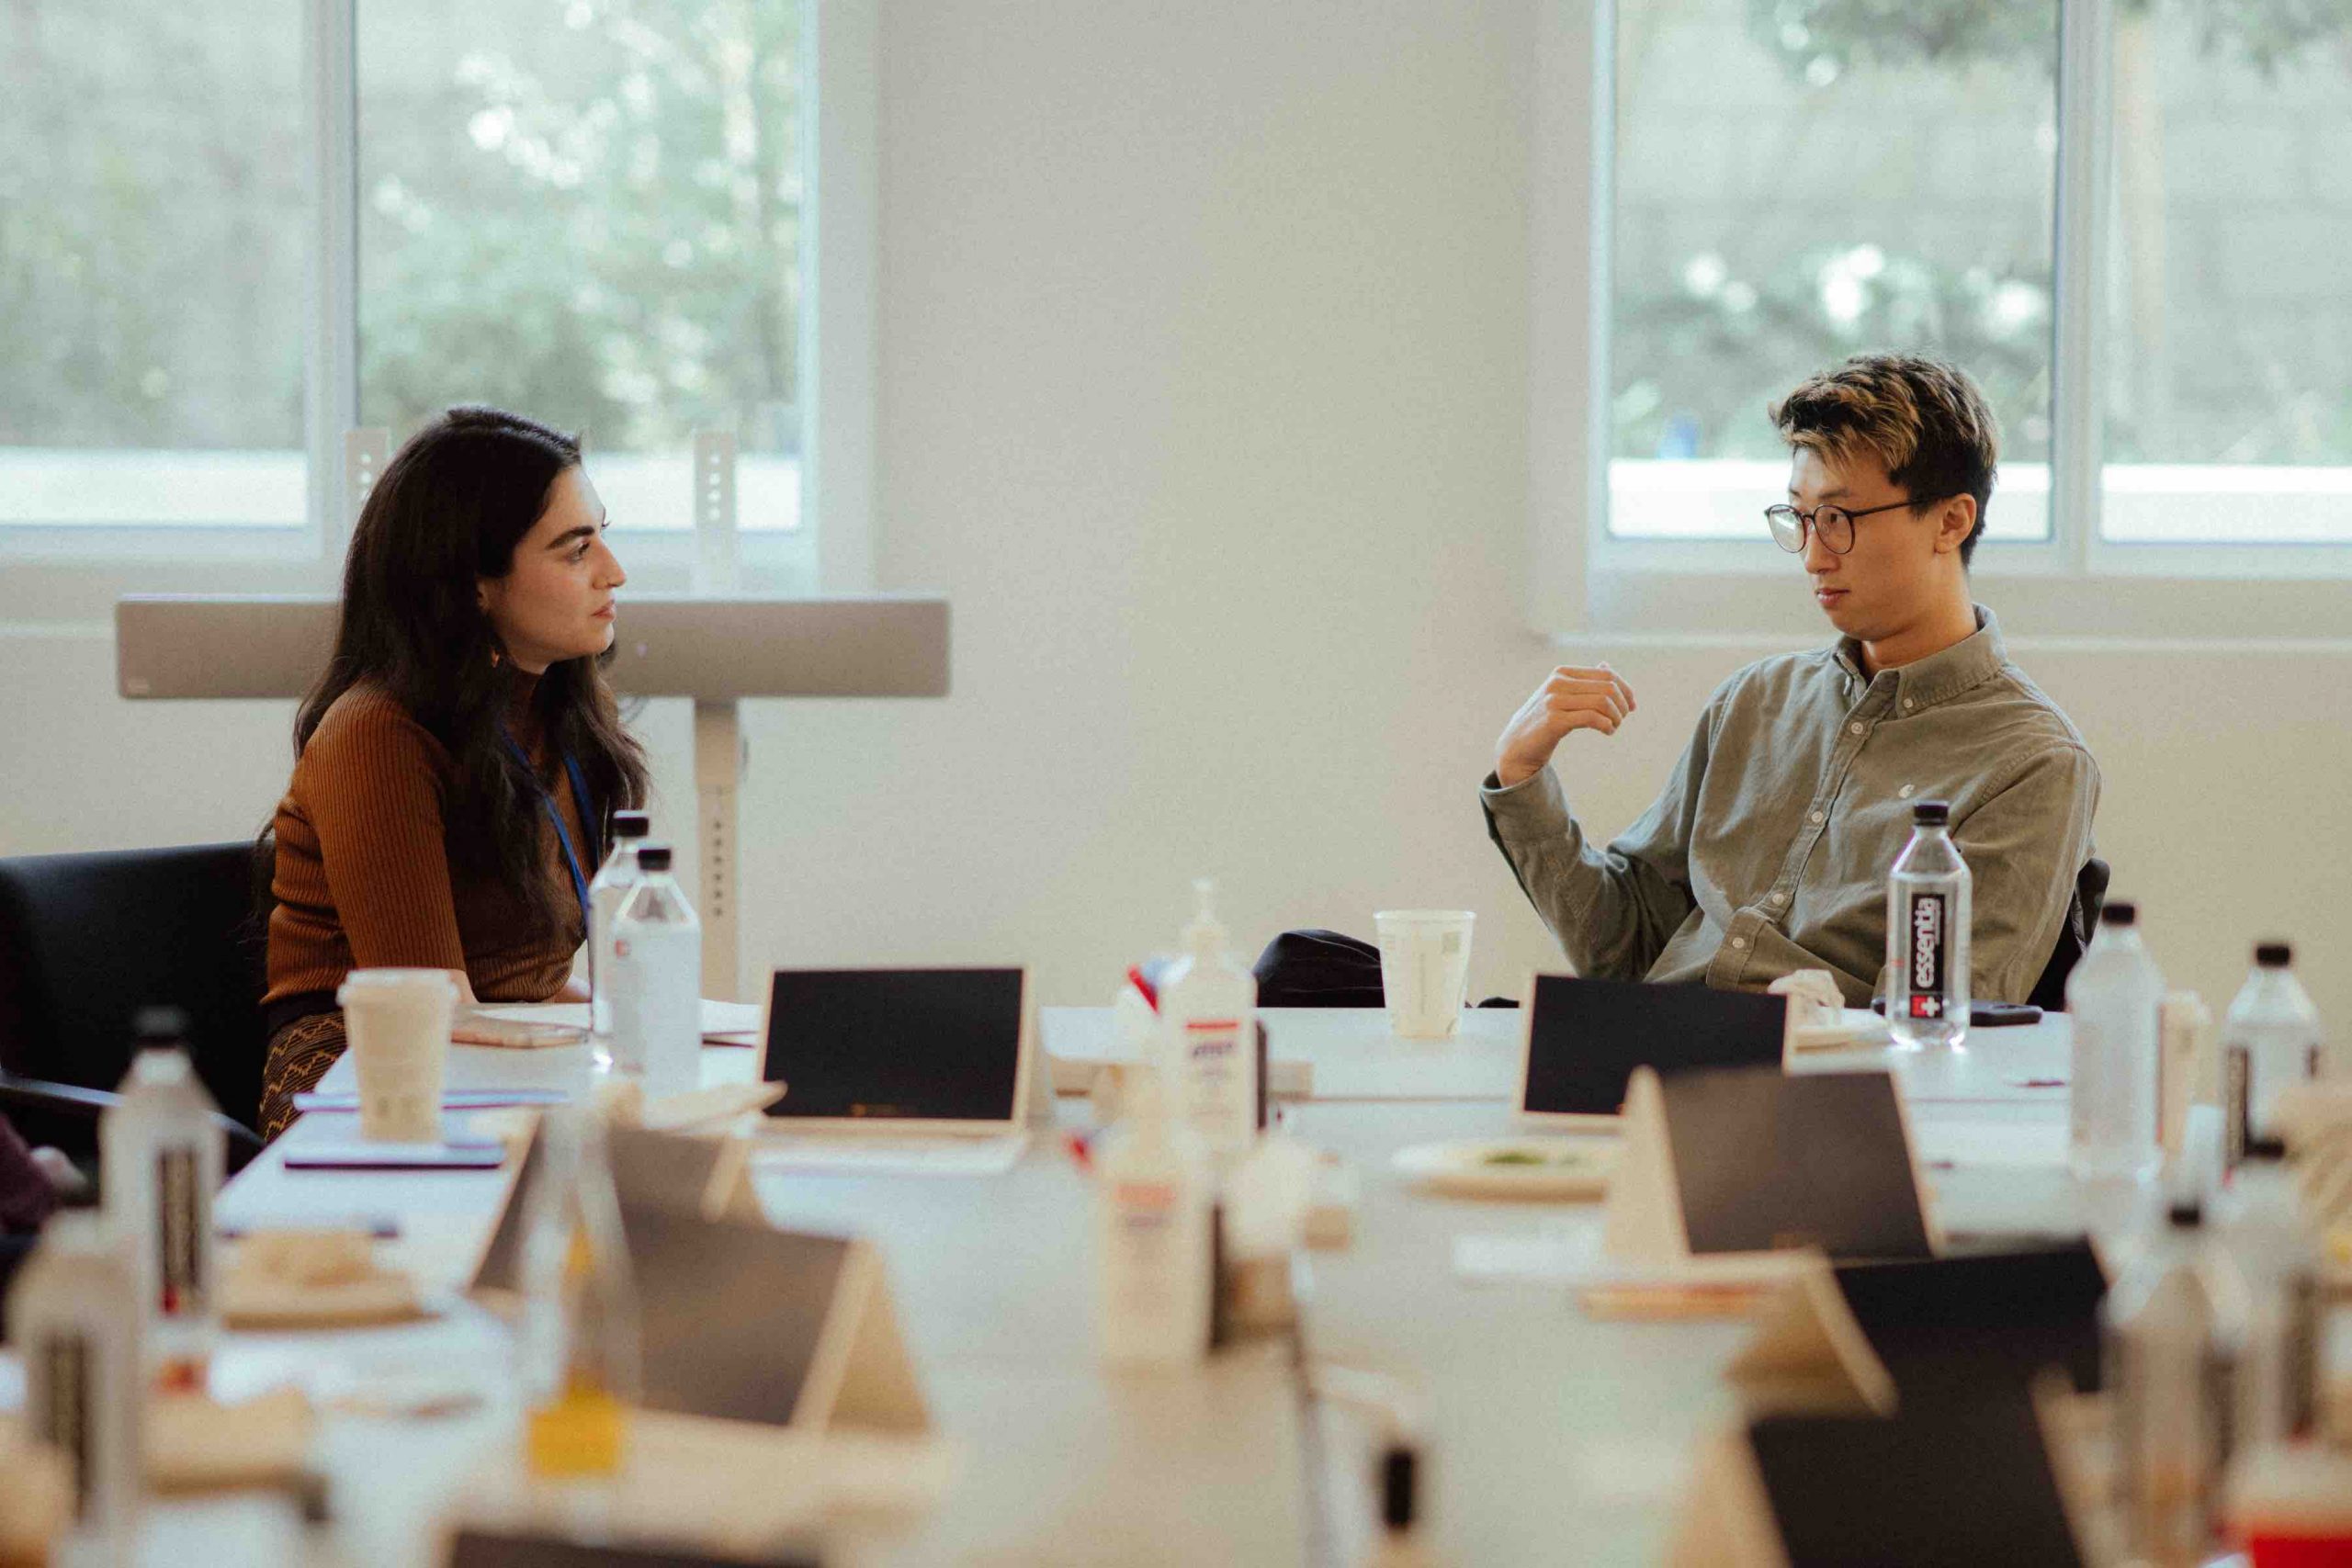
[(152, 225), (2125, 218), (589, 209), (242, 230), (2227, 403), (1792, 189)]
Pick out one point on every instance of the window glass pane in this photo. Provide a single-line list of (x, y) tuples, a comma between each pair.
[(2229, 385), (589, 211), (1800, 180), (154, 221)]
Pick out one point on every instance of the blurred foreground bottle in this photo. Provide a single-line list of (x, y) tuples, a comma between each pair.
[(581, 1321)]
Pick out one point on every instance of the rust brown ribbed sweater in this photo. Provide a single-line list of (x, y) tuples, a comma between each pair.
[(364, 880)]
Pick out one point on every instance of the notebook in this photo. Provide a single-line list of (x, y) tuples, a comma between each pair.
[(923, 1070), (1580, 1040)]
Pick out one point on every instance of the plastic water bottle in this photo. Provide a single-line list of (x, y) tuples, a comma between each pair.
[(2270, 1039), (2174, 1331), (1153, 1258), (1927, 934), (73, 1319), (2262, 1225), (1208, 1011), (656, 980), (160, 1155), (611, 888), (2114, 998)]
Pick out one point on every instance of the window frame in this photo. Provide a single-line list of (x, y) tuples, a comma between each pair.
[(2073, 587), (75, 572)]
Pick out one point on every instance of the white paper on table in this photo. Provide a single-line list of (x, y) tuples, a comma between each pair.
[(862, 1154), (731, 1022), (1573, 1256), (1998, 1143)]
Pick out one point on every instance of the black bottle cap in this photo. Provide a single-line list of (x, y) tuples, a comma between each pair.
[(1931, 813), (2273, 955), (654, 857), (2185, 1214), (631, 824), (2118, 912), (1398, 1481), (2263, 1151), (160, 1026)]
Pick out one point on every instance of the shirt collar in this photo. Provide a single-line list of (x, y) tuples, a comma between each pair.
[(1926, 682)]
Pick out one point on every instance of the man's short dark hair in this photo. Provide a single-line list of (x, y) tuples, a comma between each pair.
[(1924, 419)]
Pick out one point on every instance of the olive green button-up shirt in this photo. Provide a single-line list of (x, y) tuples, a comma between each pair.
[(1768, 848)]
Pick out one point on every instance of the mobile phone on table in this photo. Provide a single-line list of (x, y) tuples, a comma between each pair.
[(1986, 1015)]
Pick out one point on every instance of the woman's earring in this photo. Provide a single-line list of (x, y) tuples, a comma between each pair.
[(496, 658)]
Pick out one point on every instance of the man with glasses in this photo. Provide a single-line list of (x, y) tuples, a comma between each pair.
[(1768, 848)]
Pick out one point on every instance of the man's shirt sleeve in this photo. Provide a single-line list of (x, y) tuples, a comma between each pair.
[(2024, 847), (1612, 911)]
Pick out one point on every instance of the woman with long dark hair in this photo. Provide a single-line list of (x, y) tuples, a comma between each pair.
[(456, 764)]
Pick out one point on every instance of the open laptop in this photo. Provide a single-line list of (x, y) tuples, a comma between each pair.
[(1580, 1040), (898, 1069)]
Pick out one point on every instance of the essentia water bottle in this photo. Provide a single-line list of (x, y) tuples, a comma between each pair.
[(74, 1321), (2270, 1039), (615, 881), (1927, 934), (657, 981), (2114, 999), (161, 1152)]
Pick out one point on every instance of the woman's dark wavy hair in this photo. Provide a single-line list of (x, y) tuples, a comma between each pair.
[(447, 510)]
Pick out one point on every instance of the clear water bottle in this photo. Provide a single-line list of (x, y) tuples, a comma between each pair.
[(2174, 1329), (2114, 999), (161, 1153), (73, 1319), (581, 1322), (1927, 934), (615, 879), (2271, 1040), (657, 981), (2263, 1225)]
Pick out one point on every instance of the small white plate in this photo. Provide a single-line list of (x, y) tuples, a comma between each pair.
[(1511, 1168)]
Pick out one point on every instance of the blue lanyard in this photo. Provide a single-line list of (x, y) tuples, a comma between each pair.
[(587, 805)]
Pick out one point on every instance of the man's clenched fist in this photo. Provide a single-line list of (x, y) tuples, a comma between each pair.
[(1573, 697)]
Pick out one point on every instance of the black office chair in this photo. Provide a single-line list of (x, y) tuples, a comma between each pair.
[(2073, 935), (86, 941)]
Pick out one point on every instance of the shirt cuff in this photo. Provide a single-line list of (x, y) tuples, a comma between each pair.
[(1529, 811)]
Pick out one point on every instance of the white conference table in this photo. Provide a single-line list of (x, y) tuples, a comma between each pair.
[(1550, 1434)]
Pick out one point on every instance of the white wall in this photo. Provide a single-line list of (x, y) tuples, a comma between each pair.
[(1203, 387)]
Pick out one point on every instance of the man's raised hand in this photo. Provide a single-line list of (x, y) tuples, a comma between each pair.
[(1571, 697)]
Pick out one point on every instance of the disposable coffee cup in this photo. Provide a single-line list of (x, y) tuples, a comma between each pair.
[(1424, 969), (398, 1024)]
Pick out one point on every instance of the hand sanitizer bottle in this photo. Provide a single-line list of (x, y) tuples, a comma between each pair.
[(74, 1320), (162, 1154), (615, 880), (1152, 1253), (1208, 1010), (657, 981)]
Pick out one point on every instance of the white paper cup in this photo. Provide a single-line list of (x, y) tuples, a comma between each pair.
[(1424, 969), (398, 1023)]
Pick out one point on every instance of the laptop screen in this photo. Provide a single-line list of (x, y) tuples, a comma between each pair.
[(897, 1045), (1586, 1037)]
